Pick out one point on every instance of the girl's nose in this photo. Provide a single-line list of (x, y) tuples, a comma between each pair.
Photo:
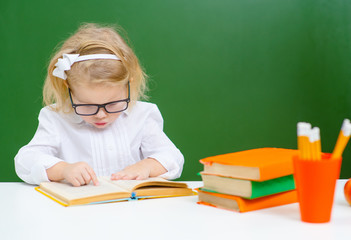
[(101, 113)]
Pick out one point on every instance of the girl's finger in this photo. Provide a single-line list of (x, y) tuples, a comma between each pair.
[(93, 176), (75, 182), (118, 176), (86, 177), (130, 177), (80, 179)]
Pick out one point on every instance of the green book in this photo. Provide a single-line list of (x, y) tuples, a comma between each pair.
[(246, 188)]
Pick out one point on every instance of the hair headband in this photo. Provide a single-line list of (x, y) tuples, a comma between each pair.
[(63, 64)]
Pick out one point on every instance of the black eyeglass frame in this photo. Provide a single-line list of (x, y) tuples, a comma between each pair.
[(74, 106)]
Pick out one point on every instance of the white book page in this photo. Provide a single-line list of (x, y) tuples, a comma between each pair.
[(129, 185), (69, 192)]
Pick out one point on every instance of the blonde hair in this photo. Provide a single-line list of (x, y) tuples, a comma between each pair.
[(93, 39)]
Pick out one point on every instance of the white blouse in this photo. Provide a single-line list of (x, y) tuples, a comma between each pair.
[(135, 135)]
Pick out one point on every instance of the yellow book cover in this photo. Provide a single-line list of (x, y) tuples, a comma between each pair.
[(112, 190)]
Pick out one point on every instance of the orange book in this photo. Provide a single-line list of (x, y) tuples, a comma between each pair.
[(256, 164), (235, 203)]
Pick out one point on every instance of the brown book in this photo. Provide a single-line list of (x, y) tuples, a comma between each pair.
[(112, 190), (235, 203)]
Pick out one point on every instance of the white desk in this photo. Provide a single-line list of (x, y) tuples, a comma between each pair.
[(26, 214)]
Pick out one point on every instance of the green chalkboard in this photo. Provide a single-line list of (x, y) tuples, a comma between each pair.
[(227, 75)]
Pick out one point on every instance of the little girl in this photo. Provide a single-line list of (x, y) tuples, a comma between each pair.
[(93, 124)]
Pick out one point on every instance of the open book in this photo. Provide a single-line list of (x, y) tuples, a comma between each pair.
[(112, 190)]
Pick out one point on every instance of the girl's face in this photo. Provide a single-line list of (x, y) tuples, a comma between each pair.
[(99, 94)]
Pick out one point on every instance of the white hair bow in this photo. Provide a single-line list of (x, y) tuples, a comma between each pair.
[(63, 64)]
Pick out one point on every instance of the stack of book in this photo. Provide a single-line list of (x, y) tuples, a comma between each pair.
[(248, 180)]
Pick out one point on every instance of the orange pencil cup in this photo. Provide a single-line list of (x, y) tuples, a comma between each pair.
[(315, 184)]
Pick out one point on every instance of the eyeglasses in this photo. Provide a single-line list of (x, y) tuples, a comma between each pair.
[(92, 109)]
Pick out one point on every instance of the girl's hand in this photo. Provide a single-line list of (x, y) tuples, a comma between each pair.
[(144, 169), (77, 174), (136, 171)]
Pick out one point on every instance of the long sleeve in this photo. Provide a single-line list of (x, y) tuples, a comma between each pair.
[(155, 144), (33, 159), (136, 134)]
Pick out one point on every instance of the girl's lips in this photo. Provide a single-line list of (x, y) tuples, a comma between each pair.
[(100, 123)]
